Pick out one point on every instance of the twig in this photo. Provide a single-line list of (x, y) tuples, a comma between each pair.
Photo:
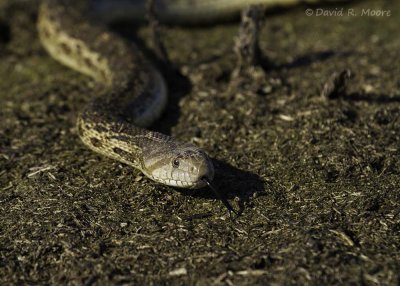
[(246, 45), (154, 24), (336, 85)]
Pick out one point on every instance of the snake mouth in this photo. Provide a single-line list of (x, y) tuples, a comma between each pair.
[(219, 195)]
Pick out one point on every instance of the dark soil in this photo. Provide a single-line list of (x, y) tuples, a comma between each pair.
[(316, 177)]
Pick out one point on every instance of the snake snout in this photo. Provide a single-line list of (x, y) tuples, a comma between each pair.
[(205, 170)]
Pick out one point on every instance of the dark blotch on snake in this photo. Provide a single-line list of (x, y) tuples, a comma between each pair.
[(103, 74), (95, 142), (65, 48), (52, 18), (100, 129), (46, 33), (78, 48), (88, 62), (122, 153)]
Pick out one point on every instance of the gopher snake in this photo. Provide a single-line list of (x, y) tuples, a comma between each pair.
[(133, 92)]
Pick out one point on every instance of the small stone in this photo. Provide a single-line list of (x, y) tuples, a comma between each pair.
[(178, 272)]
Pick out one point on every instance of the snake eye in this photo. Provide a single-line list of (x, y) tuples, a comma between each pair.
[(175, 163)]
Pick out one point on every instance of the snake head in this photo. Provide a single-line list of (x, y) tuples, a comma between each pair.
[(181, 165)]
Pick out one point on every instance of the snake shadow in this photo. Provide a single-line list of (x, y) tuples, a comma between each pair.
[(232, 183), (303, 60), (371, 98), (178, 85)]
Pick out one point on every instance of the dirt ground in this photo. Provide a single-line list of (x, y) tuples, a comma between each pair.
[(316, 178)]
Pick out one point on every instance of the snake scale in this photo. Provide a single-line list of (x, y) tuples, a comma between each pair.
[(133, 93)]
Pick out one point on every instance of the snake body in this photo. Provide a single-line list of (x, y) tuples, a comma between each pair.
[(132, 96), (133, 93)]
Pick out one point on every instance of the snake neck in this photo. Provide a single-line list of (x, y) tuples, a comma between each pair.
[(118, 139)]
